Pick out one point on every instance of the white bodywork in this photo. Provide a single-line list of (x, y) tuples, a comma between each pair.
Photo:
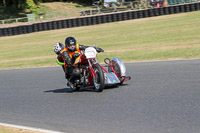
[(90, 52)]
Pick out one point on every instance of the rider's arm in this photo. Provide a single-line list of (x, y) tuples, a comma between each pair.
[(67, 58)]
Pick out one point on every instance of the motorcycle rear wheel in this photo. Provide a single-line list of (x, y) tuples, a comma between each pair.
[(98, 80)]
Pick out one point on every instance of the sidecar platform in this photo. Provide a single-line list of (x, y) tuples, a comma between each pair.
[(111, 78)]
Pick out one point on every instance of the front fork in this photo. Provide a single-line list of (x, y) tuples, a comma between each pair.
[(91, 68)]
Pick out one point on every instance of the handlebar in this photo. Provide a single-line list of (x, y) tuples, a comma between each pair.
[(99, 50)]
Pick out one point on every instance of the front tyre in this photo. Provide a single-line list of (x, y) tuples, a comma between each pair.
[(98, 80)]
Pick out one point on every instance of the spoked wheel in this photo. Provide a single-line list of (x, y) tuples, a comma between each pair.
[(98, 80)]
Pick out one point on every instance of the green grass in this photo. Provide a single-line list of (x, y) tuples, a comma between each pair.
[(157, 38)]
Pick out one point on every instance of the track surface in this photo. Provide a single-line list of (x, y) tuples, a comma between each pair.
[(162, 97)]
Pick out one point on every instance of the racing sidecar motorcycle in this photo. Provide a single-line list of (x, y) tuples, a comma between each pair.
[(88, 72)]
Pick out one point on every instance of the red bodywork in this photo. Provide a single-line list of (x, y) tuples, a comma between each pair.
[(85, 61)]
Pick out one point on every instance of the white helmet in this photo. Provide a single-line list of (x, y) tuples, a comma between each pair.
[(58, 47)]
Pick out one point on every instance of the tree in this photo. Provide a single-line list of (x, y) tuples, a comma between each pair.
[(21, 5), (32, 6)]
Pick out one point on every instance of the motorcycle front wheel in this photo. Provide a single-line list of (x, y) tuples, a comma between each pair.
[(98, 80)]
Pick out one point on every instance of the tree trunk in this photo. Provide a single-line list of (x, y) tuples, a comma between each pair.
[(4, 2), (8, 3), (15, 2)]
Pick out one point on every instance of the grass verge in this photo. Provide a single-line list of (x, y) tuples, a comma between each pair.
[(157, 38), (4, 129)]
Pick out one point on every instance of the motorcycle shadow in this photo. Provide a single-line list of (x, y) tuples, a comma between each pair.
[(63, 90), (69, 90), (83, 89)]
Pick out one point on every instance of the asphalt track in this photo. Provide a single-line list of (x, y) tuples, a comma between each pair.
[(162, 97)]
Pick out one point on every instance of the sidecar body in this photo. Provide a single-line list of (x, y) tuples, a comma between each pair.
[(114, 71), (111, 78)]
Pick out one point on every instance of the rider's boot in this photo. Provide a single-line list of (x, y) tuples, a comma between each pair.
[(70, 81), (68, 73), (71, 85)]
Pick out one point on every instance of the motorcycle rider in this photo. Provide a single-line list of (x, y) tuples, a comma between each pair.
[(70, 55), (58, 47)]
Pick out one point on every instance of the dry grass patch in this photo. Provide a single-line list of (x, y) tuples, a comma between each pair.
[(133, 49), (65, 8), (4, 129)]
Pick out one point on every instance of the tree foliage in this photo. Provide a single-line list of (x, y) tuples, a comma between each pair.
[(75, 1), (32, 5), (21, 5)]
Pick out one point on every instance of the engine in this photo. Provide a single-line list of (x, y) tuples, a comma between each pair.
[(76, 73), (80, 75)]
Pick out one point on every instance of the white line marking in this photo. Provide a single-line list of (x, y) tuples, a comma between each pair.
[(28, 128)]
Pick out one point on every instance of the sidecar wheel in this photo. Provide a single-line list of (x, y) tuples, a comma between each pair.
[(98, 80)]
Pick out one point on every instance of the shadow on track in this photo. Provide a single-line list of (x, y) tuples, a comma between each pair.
[(84, 89), (69, 90), (63, 90)]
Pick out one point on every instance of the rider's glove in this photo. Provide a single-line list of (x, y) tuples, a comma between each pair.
[(99, 50), (75, 55)]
